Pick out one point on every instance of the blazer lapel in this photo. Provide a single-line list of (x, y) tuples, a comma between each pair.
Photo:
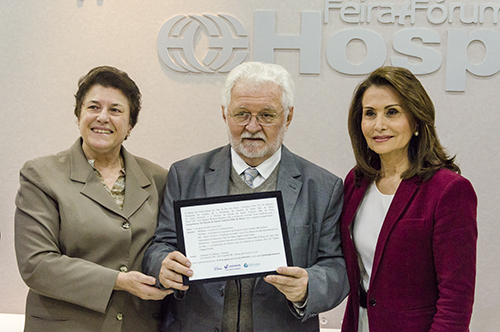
[(358, 193), (81, 171), (401, 199), (135, 182), (353, 196), (217, 178), (288, 182)]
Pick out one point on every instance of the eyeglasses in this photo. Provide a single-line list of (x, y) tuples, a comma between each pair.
[(263, 118)]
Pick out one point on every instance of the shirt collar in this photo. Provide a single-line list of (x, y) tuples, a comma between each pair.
[(92, 164), (265, 168)]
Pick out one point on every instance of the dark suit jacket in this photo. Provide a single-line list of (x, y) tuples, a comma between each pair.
[(424, 268), (312, 199), (72, 239)]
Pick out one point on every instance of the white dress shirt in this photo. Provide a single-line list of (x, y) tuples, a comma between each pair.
[(265, 168), (367, 225)]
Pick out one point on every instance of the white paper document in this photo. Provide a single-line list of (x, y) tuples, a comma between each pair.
[(233, 238)]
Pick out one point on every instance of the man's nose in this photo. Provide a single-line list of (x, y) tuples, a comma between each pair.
[(253, 125)]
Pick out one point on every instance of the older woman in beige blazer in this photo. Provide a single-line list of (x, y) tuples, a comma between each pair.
[(86, 215)]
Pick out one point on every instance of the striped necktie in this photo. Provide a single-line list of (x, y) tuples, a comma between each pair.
[(250, 174)]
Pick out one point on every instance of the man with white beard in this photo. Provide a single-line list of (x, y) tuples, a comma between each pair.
[(257, 107)]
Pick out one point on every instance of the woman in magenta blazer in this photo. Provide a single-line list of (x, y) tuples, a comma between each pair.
[(409, 226)]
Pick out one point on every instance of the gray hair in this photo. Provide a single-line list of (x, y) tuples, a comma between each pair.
[(256, 73)]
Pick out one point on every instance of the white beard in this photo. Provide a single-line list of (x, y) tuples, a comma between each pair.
[(257, 149)]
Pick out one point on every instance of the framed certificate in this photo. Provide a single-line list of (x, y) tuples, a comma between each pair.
[(233, 237)]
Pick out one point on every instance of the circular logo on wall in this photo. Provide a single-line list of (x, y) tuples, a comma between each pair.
[(180, 43)]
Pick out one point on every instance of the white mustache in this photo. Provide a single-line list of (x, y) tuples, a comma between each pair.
[(259, 135)]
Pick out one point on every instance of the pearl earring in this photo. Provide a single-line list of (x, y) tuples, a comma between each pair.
[(415, 133)]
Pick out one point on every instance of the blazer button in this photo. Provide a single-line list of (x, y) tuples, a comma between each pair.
[(373, 302), (126, 225), (221, 291), (123, 269), (215, 329), (119, 316)]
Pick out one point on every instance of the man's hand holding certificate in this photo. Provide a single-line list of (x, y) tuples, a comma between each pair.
[(230, 237)]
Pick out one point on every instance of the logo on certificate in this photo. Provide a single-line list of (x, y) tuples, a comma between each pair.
[(231, 267)]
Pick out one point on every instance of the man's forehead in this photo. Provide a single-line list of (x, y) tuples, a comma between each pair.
[(256, 87)]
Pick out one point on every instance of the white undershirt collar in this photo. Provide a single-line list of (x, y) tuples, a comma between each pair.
[(265, 168)]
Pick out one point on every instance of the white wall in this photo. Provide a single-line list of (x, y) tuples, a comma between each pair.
[(45, 46)]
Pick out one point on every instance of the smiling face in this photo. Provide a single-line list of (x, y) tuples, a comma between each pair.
[(104, 122), (386, 126), (253, 142)]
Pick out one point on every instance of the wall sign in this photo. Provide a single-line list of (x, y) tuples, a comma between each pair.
[(228, 39)]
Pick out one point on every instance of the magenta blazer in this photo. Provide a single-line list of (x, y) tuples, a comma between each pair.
[(425, 261)]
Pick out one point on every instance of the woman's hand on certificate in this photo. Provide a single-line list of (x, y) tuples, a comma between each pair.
[(173, 267), (291, 281)]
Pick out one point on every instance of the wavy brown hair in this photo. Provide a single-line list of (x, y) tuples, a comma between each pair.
[(426, 155), (110, 77)]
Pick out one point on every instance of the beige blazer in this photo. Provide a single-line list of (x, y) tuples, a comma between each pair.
[(72, 239)]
